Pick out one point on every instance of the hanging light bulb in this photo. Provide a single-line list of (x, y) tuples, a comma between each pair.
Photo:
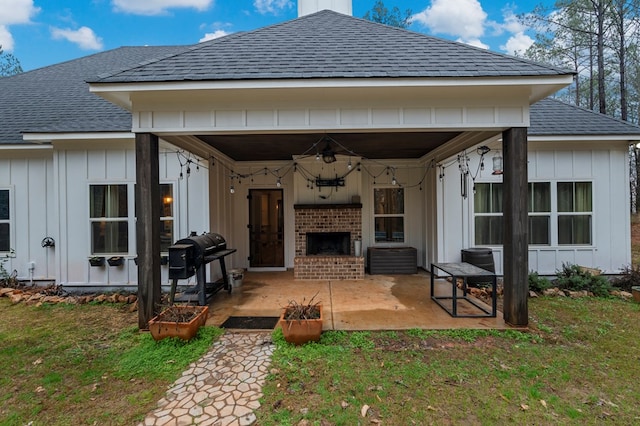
[(394, 181), (349, 166), (278, 183), (232, 189), (318, 156)]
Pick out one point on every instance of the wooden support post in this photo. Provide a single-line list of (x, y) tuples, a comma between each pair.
[(516, 225), (148, 227)]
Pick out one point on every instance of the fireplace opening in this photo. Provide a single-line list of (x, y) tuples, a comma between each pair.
[(329, 243)]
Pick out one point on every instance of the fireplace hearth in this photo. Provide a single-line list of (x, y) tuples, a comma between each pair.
[(328, 243)]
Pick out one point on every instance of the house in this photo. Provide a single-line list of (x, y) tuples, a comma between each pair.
[(297, 142)]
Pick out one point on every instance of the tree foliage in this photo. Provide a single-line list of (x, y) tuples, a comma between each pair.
[(394, 18), (598, 40), (9, 64)]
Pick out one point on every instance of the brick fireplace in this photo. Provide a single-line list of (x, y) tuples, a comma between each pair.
[(312, 222)]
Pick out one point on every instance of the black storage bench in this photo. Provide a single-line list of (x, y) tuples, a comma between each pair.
[(392, 260)]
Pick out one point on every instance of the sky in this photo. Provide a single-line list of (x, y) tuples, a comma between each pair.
[(45, 32)]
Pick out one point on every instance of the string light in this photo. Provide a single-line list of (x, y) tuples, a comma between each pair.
[(232, 189)]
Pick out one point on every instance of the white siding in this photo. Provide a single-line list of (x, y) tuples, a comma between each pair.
[(28, 176), (114, 163), (604, 164)]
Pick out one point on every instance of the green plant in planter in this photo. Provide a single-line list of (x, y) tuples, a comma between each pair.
[(302, 322), (96, 260), (302, 311)]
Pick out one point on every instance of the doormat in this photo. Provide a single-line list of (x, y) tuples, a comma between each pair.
[(251, 323)]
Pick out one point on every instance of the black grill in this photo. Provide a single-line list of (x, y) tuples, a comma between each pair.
[(189, 256)]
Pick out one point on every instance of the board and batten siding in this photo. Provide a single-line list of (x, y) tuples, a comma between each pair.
[(605, 164), (114, 163), (28, 175)]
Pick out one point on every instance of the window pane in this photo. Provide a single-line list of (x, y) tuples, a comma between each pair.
[(389, 200), (4, 205), (389, 229), (539, 229), (482, 198), (540, 197), (166, 235), (5, 244), (488, 230), (496, 198), (166, 194), (565, 196), (583, 197), (574, 229), (108, 201), (110, 237)]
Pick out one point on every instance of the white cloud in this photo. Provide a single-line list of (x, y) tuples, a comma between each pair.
[(462, 18), (158, 7), (215, 34), (517, 43), (6, 39), (272, 6), (511, 23), (14, 12), (476, 42), (84, 37)]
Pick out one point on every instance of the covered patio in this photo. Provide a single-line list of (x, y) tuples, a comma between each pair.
[(400, 107), (378, 302)]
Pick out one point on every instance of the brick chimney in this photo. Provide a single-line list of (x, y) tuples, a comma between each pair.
[(305, 7)]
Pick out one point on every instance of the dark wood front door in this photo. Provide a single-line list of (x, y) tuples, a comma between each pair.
[(266, 228)]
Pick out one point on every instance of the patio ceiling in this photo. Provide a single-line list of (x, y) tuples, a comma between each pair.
[(263, 147)]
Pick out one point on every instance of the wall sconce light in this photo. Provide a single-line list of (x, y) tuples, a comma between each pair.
[(497, 165)]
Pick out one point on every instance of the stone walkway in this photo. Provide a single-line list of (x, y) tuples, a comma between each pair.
[(222, 388)]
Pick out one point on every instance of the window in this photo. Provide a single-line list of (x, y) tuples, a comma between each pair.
[(574, 213), (109, 216), (166, 216), (389, 215), (5, 221), (487, 204), (539, 213)]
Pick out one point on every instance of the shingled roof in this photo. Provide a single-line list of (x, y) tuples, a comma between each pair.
[(328, 44), (57, 98), (551, 117)]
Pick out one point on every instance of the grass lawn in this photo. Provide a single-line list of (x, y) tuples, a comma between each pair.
[(576, 365), (88, 364), (85, 364)]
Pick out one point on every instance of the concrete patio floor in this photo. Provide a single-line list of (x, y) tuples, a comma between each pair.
[(379, 302)]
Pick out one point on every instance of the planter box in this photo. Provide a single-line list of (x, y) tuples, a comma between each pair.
[(300, 332), (171, 322), (96, 261), (116, 261)]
